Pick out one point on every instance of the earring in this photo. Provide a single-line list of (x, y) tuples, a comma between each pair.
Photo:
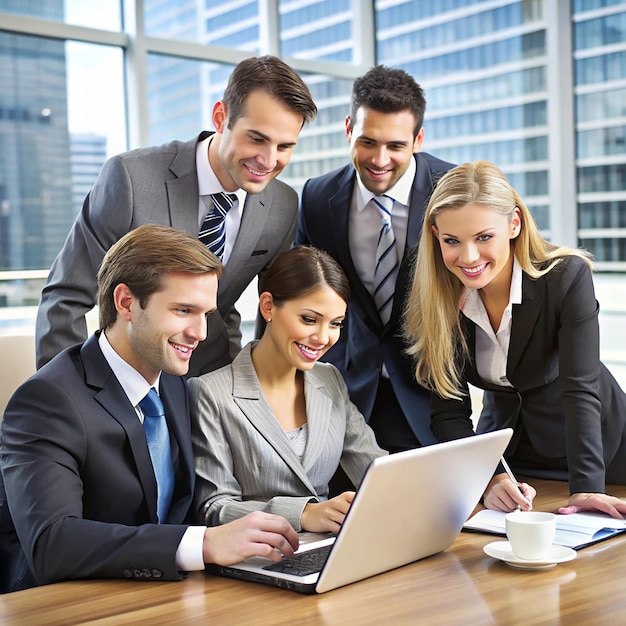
[(269, 319)]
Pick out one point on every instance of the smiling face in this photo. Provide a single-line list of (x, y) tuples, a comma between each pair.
[(382, 146), (304, 329), (163, 335), (257, 146), (475, 245)]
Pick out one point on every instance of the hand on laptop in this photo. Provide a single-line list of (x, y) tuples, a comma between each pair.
[(321, 517), (256, 534), (502, 494), (615, 507)]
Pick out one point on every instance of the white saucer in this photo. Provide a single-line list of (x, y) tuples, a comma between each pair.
[(502, 550)]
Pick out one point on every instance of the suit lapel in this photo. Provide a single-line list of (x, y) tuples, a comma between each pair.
[(182, 191), (339, 217), (422, 186), (525, 317), (248, 396), (114, 401), (319, 408), (256, 212)]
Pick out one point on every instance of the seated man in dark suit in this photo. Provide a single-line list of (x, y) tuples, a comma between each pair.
[(95, 482)]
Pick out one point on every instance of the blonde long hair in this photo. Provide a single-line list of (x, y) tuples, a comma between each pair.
[(432, 318)]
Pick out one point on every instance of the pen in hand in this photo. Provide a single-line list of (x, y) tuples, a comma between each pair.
[(510, 474)]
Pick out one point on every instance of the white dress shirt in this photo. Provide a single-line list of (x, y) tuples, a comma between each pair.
[(209, 184), (189, 553), (492, 349), (364, 225)]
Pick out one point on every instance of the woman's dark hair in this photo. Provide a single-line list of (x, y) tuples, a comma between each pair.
[(301, 270)]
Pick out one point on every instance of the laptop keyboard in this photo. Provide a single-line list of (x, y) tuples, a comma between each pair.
[(310, 562)]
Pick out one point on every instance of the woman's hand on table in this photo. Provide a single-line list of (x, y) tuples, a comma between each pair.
[(615, 507)]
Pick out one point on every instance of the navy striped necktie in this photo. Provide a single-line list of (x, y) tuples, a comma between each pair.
[(386, 271), (212, 232)]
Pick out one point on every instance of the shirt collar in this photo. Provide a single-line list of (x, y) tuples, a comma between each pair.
[(135, 386), (471, 302), (400, 192), (207, 180)]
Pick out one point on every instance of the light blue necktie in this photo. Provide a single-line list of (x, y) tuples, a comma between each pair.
[(158, 439), (213, 232), (386, 272)]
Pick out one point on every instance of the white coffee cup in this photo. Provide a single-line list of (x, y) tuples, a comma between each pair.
[(530, 533)]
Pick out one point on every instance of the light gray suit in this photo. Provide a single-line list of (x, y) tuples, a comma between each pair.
[(159, 185), (244, 460)]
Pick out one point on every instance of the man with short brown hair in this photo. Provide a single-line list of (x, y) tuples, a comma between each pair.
[(96, 457)]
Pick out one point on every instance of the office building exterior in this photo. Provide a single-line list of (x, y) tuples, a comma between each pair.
[(537, 86), (35, 178), (87, 155)]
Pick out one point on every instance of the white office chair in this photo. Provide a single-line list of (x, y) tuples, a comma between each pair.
[(17, 363)]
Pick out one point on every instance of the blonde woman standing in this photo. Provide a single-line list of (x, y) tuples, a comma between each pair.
[(494, 304)]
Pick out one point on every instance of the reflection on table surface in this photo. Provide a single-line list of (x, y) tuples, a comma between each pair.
[(459, 586)]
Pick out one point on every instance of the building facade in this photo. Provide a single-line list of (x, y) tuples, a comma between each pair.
[(537, 86)]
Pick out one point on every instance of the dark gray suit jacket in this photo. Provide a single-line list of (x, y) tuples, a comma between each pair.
[(78, 478), (365, 344), (159, 185), (572, 408)]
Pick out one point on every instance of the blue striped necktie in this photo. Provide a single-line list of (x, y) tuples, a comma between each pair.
[(158, 439), (212, 232), (386, 271)]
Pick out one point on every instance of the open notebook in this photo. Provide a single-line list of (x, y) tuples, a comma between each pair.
[(408, 506), (574, 531)]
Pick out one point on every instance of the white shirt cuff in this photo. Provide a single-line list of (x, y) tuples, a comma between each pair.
[(189, 553)]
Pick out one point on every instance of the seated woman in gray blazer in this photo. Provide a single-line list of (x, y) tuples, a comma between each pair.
[(270, 429)]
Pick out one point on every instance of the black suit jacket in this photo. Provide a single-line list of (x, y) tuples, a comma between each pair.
[(570, 405), (365, 344), (78, 478)]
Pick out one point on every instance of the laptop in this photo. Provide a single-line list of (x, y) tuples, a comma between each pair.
[(409, 505)]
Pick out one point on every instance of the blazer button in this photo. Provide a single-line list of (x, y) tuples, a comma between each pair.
[(157, 573), (137, 573), (128, 573), (146, 573)]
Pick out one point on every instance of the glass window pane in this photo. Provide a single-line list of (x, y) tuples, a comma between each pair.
[(105, 14), (322, 145), (234, 24), (181, 94), (61, 114), (318, 29)]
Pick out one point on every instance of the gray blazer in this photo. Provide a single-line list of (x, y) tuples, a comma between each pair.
[(244, 461), (159, 185)]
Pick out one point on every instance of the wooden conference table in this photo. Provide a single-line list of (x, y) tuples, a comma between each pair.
[(459, 586)]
